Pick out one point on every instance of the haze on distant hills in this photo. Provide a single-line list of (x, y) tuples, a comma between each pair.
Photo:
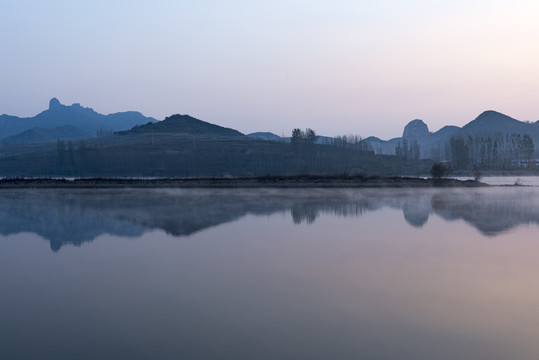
[(183, 146), (39, 135), (66, 144), (488, 123), (265, 136), (61, 122)]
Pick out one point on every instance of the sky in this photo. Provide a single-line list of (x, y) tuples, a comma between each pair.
[(338, 67)]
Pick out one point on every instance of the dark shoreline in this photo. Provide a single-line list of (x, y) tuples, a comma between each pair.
[(294, 181)]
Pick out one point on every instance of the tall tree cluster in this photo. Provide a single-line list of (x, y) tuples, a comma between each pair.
[(307, 136), (408, 150), (302, 139), (351, 141), (495, 151)]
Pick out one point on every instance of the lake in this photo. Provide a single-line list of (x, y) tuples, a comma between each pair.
[(270, 274), (507, 180)]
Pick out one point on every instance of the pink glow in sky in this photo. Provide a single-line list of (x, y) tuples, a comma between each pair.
[(343, 66)]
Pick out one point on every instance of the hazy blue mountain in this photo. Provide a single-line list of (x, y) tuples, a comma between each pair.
[(380, 146), (487, 123), (183, 125), (39, 135), (415, 129), (85, 119), (265, 136), (490, 121)]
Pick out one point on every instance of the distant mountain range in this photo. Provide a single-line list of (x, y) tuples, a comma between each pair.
[(488, 123), (61, 122), (74, 122)]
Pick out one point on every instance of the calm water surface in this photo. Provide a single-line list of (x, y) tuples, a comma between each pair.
[(507, 180), (270, 274)]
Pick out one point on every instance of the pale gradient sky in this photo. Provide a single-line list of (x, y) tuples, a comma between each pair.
[(341, 66)]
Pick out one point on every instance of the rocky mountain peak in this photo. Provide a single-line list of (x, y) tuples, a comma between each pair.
[(415, 129), (54, 104)]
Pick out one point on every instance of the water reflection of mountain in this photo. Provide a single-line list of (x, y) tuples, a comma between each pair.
[(491, 211), (60, 217), (78, 216)]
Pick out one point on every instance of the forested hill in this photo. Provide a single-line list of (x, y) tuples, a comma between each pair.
[(183, 124)]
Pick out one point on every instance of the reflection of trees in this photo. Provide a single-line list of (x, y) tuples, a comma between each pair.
[(78, 216), (304, 213)]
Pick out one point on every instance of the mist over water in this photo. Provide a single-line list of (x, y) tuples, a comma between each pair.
[(269, 273)]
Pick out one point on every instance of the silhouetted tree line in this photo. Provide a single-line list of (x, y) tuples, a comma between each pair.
[(181, 156), (302, 140), (497, 151), (408, 150), (351, 141), (103, 132), (307, 136)]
